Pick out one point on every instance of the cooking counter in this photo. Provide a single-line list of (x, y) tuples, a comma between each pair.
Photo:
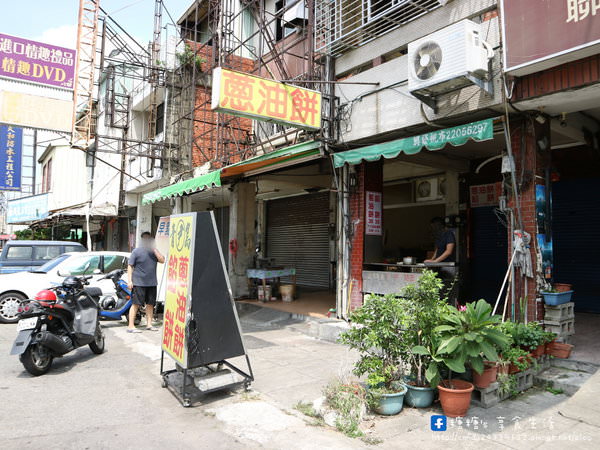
[(382, 278)]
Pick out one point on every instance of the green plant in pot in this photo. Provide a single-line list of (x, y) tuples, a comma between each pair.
[(422, 309), (515, 359), (537, 338), (465, 338), (377, 335)]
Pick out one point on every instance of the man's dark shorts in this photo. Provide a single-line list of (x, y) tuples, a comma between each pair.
[(144, 295)]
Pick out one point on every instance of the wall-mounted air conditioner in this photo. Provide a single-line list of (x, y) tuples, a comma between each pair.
[(448, 59), (430, 189), (296, 15)]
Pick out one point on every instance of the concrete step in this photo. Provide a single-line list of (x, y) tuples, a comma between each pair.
[(256, 317), (566, 375)]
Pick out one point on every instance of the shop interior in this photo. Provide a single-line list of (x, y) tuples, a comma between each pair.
[(294, 229), (428, 185)]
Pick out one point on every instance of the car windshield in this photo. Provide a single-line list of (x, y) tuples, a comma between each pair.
[(51, 264), (81, 264)]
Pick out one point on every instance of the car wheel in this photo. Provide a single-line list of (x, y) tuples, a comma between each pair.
[(9, 307)]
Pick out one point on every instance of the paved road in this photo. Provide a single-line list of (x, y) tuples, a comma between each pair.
[(114, 400)]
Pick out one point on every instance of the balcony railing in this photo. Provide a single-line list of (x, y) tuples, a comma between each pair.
[(341, 25)]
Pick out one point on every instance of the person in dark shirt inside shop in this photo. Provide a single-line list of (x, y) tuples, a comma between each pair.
[(445, 242)]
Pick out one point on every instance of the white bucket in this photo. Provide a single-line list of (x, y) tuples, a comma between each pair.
[(287, 292)]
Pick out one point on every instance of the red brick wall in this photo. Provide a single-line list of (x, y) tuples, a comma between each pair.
[(573, 75), (207, 146), (357, 218), (369, 178), (530, 165)]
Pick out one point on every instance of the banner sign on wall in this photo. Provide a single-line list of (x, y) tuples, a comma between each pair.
[(374, 219), (485, 194), (25, 60), (35, 111), (531, 28), (257, 98), (11, 142), (27, 209)]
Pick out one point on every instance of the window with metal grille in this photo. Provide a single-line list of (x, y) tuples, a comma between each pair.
[(341, 25)]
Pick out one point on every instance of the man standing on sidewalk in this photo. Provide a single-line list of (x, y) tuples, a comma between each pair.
[(142, 280)]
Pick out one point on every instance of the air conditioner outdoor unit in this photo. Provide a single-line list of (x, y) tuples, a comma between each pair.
[(449, 59), (296, 15), (428, 189)]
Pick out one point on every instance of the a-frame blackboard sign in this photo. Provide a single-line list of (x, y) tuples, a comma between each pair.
[(201, 327)]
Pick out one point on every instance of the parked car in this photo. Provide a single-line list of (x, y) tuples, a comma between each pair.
[(18, 256), (16, 287)]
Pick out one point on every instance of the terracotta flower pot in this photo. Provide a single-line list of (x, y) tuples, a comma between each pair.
[(560, 350), (539, 350), (548, 347), (455, 402), (563, 287), (488, 376)]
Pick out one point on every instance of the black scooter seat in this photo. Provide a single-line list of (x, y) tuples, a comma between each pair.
[(95, 292)]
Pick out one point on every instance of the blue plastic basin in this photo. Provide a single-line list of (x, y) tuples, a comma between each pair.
[(557, 298)]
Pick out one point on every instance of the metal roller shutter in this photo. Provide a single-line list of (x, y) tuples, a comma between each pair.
[(576, 240), (298, 236), (489, 250)]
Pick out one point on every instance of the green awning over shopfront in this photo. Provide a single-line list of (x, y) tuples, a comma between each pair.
[(184, 187), (294, 153), (435, 140)]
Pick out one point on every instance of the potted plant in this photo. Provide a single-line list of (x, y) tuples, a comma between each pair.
[(465, 338), (554, 297), (549, 338), (377, 335), (422, 309), (516, 359), (560, 350), (487, 377), (536, 336)]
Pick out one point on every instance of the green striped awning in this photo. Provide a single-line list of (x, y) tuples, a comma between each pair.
[(184, 187), (296, 153), (435, 140)]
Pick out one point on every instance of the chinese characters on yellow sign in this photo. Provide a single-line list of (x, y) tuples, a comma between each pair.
[(250, 96), (178, 287), (11, 139)]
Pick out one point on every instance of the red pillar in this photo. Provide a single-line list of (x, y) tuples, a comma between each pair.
[(369, 177)]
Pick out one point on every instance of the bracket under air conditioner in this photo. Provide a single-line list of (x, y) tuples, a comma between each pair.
[(484, 84)]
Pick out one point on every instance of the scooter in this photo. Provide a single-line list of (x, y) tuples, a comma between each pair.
[(58, 321), (117, 305)]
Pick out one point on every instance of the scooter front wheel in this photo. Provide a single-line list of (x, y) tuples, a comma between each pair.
[(36, 359)]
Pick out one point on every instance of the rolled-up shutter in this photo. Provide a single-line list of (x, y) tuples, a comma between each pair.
[(576, 238), (298, 236)]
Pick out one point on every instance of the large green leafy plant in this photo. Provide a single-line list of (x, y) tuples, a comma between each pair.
[(422, 309), (377, 334), (464, 338)]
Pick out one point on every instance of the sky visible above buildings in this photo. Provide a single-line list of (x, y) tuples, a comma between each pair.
[(55, 22)]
